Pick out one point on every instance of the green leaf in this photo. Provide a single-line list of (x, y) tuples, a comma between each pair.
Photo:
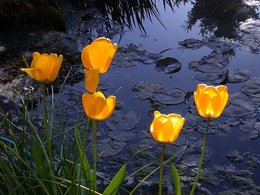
[(39, 161), (176, 178), (84, 160), (114, 185)]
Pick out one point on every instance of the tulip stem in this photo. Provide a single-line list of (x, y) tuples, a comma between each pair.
[(161, 169), (94, 122), (45, 121), (201, 158)]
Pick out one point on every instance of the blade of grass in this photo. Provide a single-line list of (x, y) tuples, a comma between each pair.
[(117, 180), (176, 178)]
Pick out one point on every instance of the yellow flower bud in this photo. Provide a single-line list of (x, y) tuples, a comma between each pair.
[(44, 68), (210, 100), (92, 80), (166, 128), (97, 107), (99, 54)]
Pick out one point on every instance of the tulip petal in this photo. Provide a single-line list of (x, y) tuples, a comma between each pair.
[(178, 123), (109, 109), (210, 100), (44, 68), (223, 91), (99, 54), (55, 68), (92, 80), (85, 57), (93, 106), (34, 73), (97, 107)]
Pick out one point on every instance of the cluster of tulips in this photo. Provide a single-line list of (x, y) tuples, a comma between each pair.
[(165, 128)]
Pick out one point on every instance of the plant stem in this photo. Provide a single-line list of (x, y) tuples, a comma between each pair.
[(201, 158), (161, 170), (45, 122), (94, 122)]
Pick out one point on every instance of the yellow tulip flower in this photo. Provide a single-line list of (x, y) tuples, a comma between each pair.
[(99, 54), (44, 68), (92, 80), (210, 100), (97, 107), (166, 128)]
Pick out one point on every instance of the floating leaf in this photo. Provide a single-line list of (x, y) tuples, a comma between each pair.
[(109, 147), (191, 43), (122, 135), (252, 87), (254, 134), (168, 65), (240, 105), (239, 75), (123, 122), (171, 96), (146, 89)]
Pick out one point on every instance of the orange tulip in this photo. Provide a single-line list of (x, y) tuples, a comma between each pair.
[(92, 80), (210, 100), (97, 107), (44, 68), (166, 128), (99, 54)]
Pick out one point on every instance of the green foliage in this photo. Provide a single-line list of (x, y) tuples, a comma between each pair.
[(114, 185), (176, 178)]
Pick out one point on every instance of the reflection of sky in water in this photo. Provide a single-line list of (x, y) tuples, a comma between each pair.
[(158, 39)]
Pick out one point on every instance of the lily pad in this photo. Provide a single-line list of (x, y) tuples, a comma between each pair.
[(234, 156), (215, 78), (123, 122), (108, 147), (168, 65), (254, 134), (252, 87), (122, 136), (191, 43), (239, 75), (146, 89), (215, 58), (220, 44), (239, 106), (171, 96)]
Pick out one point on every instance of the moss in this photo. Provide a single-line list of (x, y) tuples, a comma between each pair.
[(30, 15)]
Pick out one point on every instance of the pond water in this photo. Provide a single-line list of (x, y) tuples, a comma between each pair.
[(195, 33), (214, 42), (150, 31)]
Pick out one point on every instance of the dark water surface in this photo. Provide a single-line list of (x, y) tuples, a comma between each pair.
[(158, 27)]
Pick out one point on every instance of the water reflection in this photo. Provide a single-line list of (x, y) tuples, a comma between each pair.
[(219, 17), (130, 13)]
